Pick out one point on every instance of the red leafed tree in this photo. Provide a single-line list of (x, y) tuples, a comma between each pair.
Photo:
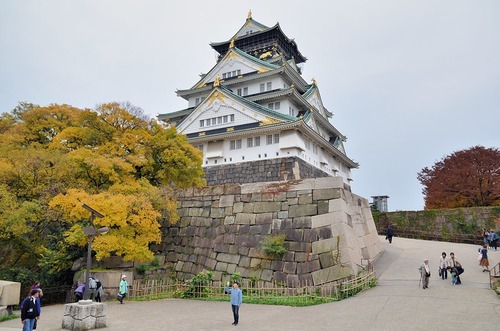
[(467, 178)]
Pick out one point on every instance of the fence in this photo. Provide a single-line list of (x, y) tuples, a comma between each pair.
[(255, 292)]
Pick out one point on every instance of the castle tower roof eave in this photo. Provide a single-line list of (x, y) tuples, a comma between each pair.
[(223, 46)]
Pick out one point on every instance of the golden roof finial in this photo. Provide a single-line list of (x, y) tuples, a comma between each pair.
[(315, 83), (249, 14), (231, 44), (217, 81)]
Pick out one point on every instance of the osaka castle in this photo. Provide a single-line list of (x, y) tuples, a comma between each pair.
[(254, 116)]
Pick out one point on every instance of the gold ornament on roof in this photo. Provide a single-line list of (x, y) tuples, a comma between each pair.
[(265, 55), (268, 121), (217, 81), (231, 44), (315, 83), (249, 14)]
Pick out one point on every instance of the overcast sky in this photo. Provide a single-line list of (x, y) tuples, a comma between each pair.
[(409, 82)]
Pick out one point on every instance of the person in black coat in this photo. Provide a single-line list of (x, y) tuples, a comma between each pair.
[(30, 311), (389, 234)]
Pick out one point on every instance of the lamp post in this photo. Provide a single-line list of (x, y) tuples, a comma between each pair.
[(92, 232)]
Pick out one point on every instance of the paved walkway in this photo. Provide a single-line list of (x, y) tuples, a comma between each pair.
[(397, 303)]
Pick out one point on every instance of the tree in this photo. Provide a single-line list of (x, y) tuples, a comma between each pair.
[(54, 158), (466, 178)]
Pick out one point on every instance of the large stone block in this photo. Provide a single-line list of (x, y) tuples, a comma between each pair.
[(10, 293), (264, 218), (302, 222), (326, 194), (290, 267), (84, 315), (302, 210), (330, 274), (245, 218), (229, 258), (323, 246), (266, 206), (226, 201)]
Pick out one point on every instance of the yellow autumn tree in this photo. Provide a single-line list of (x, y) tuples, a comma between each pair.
[(113, 158)]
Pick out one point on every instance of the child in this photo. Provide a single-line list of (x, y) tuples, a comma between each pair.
[(454, 276)]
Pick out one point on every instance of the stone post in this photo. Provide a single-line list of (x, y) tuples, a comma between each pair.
[(84, 315)]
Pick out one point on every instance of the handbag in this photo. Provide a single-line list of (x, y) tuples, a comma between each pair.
[(439, 272)]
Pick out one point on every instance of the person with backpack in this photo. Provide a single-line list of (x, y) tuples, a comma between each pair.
[(99, 290), (92, 288), (30, 311)]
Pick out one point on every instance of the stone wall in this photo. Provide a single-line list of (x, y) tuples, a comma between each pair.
[(329, 231), (262, 171), (457, 224)]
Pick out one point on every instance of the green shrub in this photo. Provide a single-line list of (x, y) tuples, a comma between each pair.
[(199, 286), (274, 246)]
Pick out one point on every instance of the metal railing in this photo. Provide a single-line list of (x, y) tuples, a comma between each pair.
[(494, 274)]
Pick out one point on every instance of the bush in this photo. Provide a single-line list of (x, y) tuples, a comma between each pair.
[(199, 285), (274, 246)]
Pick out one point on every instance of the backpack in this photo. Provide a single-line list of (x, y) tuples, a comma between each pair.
[(92, 284), (98, 284)]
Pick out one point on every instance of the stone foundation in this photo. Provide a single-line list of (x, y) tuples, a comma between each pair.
[(262, 171), (329, 231), (84, 315)]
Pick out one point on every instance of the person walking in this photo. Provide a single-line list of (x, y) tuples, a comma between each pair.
[(444, 263), (123, 288), (484, 258), (390, 233), (99, 290), (425, 273), (236, 300), (29, 311), (493, 239)]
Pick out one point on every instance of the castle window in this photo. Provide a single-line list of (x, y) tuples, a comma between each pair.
[(249, 142), (235, 144), (262, 87), (269, 139), (197, 101), (276, 138), (269, 86), (202, 123), (231, 118), (238, 91), (257, 141), (219, 120), (245, 91), (224, 76), (274, 105), (225, 118), (291, 111)]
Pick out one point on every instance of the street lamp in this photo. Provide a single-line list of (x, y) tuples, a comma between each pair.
[(92, 232)]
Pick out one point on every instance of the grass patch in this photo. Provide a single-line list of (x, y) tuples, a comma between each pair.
[(8, 318)]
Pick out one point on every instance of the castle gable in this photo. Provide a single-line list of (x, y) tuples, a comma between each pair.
[(235, 63), (313, 97), (222, 109)]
